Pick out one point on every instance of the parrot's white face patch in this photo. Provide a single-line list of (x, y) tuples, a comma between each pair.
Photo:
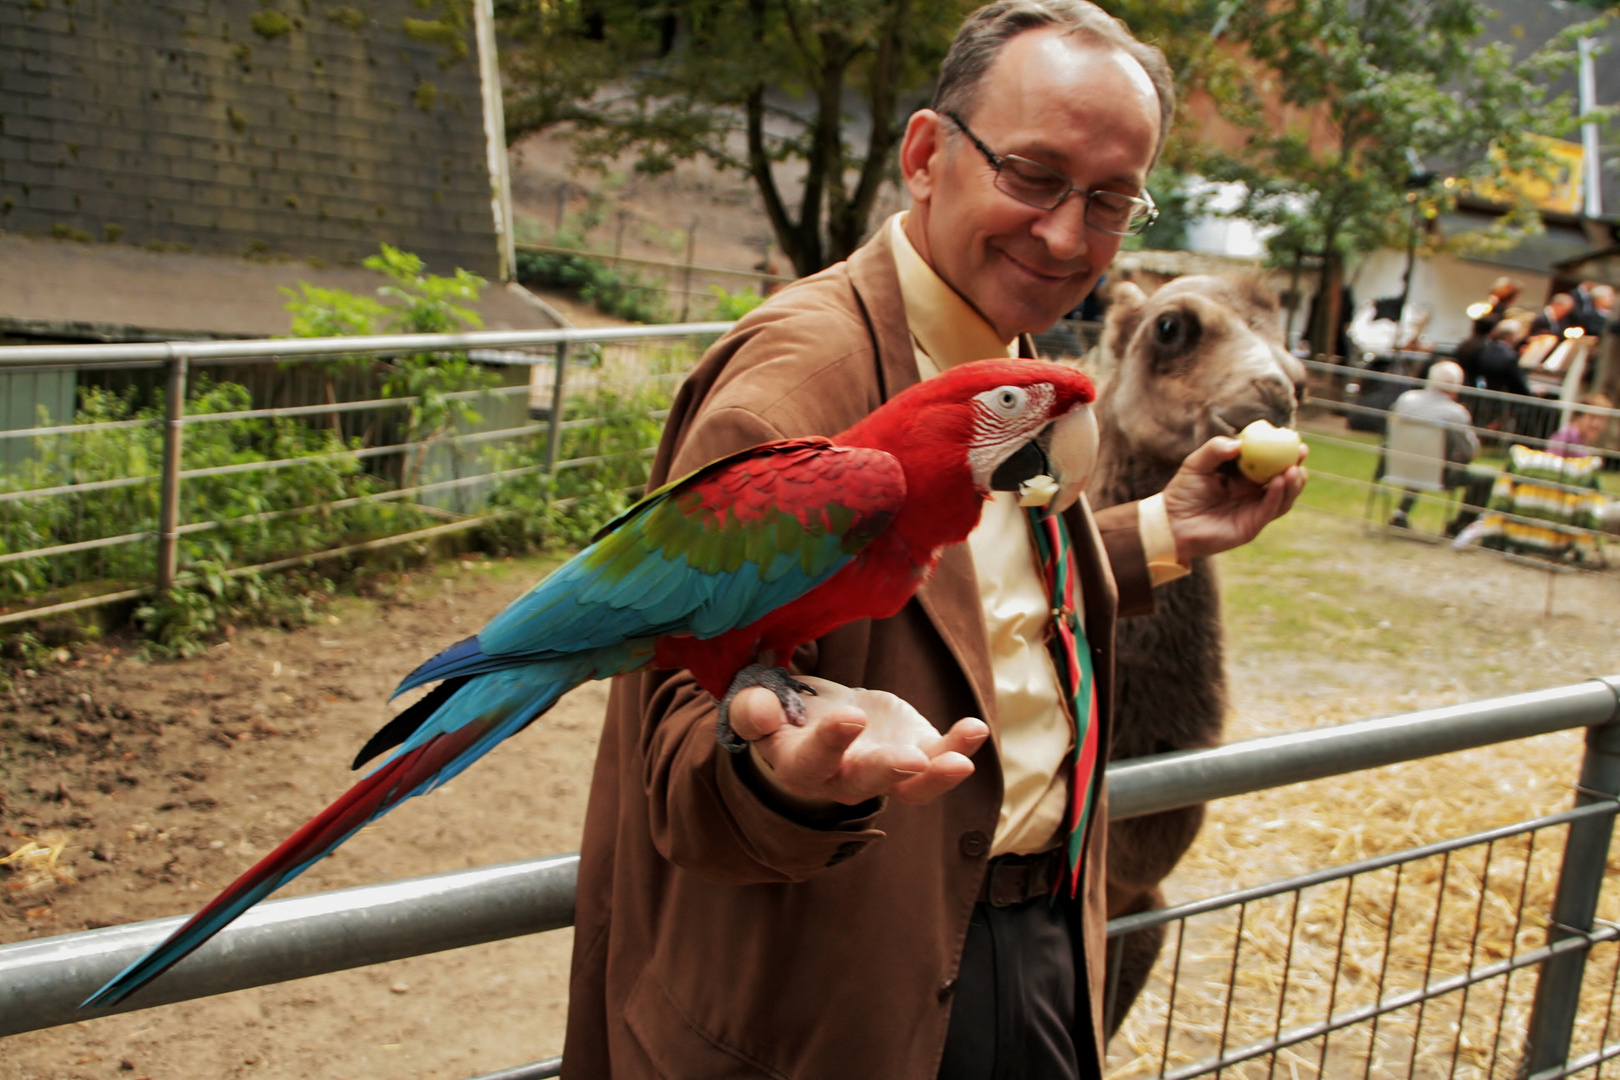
[(1003, 420)]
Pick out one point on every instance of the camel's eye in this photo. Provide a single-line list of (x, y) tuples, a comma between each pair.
[(1167, 328), (1006, 401)]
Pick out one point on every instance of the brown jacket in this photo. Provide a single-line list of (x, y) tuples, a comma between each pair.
[(716, 937)]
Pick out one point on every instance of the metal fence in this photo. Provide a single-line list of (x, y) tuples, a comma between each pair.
[(1576, 541), (577, 369), (1526, 997)]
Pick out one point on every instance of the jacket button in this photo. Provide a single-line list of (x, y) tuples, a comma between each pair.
[(974, 843), (946, 989)]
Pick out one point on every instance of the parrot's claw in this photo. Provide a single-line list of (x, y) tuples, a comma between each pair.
[(786, 688)]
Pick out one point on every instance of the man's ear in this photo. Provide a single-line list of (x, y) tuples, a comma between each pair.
[(920, 150), (1125, 303)]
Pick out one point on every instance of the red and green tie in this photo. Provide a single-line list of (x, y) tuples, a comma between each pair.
[(1073, 657)]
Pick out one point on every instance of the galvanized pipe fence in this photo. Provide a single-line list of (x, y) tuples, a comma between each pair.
[(557, 349), (1556, 1020)]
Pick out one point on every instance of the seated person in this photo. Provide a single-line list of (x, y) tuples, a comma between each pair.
[(1579, 437), (1435, 403), (1556, 317)]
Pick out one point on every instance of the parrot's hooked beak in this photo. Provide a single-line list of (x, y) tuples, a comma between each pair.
[(1052, 468)]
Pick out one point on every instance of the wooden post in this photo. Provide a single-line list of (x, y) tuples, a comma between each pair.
[(169, 506)]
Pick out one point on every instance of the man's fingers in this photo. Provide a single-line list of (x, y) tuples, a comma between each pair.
[(944, 773), (756, 713), (965, 737), (1207, 458)]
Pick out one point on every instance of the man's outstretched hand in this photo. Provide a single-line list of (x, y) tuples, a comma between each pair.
[(1212, 509), (854, 745)]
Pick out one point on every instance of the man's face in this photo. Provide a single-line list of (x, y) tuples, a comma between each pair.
[(1084, 110)]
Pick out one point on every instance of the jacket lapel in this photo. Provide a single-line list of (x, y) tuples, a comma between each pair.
[(950, 597)]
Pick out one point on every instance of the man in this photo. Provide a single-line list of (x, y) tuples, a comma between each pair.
[(811, 907), (1435, 404), (1555, 318)]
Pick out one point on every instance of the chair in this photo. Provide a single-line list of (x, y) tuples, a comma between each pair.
[(1414, 459)]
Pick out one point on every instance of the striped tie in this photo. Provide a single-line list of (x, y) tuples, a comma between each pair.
[(1073, 657)]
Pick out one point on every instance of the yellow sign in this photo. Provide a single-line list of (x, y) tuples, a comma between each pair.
[(1555, 186)]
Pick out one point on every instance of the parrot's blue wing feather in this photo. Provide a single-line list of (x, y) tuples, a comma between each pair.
[(717, 550)]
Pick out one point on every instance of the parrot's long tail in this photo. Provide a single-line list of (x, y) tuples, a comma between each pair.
[(465, 724)]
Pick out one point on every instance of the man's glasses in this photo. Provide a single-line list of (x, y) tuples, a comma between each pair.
[(1034, 184)]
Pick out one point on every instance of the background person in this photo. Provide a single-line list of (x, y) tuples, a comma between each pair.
[(811, 908), (1579, 437), (1435, 403)]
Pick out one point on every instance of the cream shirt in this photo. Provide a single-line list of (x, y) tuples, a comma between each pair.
[(1036, 732)]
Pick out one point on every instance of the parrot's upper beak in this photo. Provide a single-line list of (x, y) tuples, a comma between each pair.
[(1052, 468)]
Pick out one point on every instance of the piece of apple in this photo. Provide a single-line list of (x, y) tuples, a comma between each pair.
[(1267, 450)]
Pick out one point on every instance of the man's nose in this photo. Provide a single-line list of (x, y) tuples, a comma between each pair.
[(1063, 229)]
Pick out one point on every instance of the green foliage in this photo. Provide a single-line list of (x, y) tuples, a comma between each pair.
[(566, 508), (137, 452), (448, 31), (184, 620), (619, 291), (689, 79), (270, 24), (730, 306), (350, 18)]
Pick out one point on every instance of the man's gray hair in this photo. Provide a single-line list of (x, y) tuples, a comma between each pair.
[(987, 30)]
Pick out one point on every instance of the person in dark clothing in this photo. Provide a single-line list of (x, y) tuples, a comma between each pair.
[(1556, 317), (1498, 361), (1468, 349)]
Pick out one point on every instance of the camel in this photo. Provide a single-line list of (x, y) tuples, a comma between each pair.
[(1202, 356)]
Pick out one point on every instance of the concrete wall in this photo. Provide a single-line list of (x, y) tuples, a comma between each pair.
[(230, 126)]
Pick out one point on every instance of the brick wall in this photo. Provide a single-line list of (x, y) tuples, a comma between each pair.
[(287, 127)]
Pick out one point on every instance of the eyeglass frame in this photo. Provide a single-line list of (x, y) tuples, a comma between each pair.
[(996, 161)]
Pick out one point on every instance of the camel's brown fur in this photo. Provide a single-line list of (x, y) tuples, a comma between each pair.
[(1202, 356)]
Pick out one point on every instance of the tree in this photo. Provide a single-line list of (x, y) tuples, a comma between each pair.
[(764, 86), (1404, 88)]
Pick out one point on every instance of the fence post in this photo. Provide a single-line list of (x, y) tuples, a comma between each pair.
[(554, 433), (169, 508), (1580, 881)]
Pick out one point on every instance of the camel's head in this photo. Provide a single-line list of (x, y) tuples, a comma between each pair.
[(1202, 356)]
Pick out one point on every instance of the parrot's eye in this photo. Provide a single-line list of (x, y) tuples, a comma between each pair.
[(1007, 400)]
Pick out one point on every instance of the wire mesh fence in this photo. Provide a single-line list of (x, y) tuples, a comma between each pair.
[(131, 497), (1416, 964), (1537, 490)]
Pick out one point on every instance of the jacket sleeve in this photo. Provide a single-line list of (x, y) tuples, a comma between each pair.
[(704, 812), (1122, 539)]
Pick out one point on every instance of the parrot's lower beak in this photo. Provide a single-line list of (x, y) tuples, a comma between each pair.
[(1072, 442), (1052, 469)]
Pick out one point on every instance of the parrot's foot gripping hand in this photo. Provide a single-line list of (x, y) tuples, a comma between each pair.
[(786, 688)]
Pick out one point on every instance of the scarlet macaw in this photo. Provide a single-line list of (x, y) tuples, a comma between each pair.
[(723, 572)]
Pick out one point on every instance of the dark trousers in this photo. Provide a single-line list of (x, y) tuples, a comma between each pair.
[(1017, 997)]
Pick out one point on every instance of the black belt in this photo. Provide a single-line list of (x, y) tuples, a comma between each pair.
[(1014, 879)]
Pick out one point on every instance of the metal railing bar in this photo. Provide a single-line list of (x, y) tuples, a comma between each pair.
[(1469, 391), (1383, 965), (1428, 959), (1404, 1000), (68, 489), (149, 353), (1128, 924), (1338, 968), (82, 604), (540, 1070), (1518, 923), (1575, 1065), (82, 545), (43, 981), (75, 429), (1142, 786), (1473, 953), (1377, 448)]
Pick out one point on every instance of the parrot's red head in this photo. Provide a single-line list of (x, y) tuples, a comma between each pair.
[(991, 425)]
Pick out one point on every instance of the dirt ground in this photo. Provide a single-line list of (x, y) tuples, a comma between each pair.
[(163, 781)]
